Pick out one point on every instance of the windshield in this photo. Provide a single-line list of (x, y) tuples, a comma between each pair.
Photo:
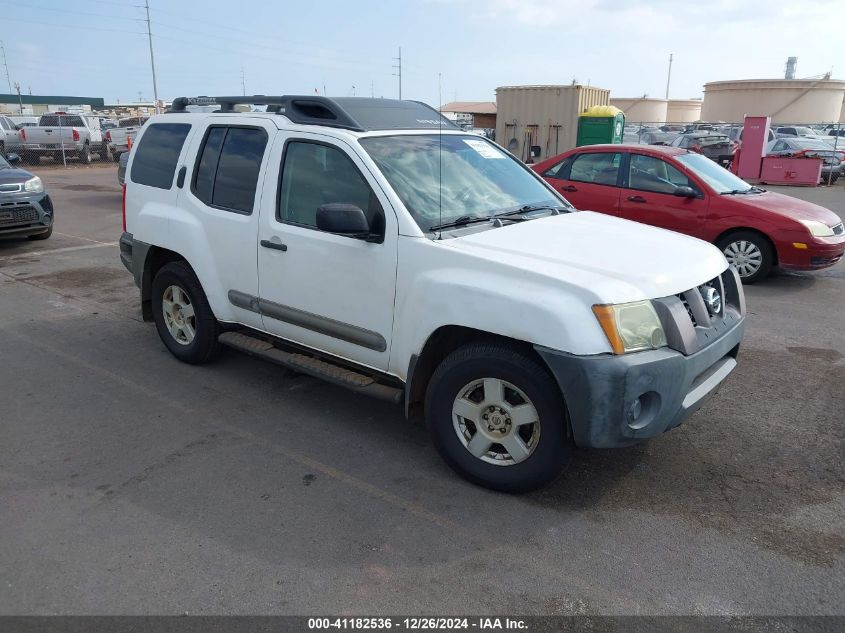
[(4, 164), (804, 131), (811, 143), (719, 178), (478, 178)]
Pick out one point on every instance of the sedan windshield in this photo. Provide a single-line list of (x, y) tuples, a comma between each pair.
[(719, 178), (448, 178)]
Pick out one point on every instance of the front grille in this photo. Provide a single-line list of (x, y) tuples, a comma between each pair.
[(11, 188), (691, 322), (839, 229), (18, 215)]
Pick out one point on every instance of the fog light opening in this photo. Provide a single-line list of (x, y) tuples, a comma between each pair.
[(642, 411)]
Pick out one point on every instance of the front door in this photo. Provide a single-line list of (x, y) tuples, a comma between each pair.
[(589, 181), (330, 292), (648, 196)]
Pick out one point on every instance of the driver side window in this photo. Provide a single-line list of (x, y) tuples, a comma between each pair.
[(314, 174), (648, 173)]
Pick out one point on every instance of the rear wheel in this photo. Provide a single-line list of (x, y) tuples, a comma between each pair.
[(750, 253), (182, 315), (85, 154), (497, 418)]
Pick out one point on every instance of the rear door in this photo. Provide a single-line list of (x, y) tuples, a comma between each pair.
[(221, 193), (330, 292), (590, 181), (647, 196)]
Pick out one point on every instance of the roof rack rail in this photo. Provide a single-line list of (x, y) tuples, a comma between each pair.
[(299, 109), (358, 114)]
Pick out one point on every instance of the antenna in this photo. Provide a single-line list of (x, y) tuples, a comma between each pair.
[(243, 81), (398, 66), (440, 152), (152, 59)]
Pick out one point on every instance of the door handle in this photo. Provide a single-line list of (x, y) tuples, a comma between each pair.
[(569, 188), (180, 178), (278, 246), (636, 199)]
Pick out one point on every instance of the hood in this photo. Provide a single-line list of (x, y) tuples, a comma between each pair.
[(786, 206), (14, 175), (617, 260)]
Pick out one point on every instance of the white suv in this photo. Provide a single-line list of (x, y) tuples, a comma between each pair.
[(371, 243)]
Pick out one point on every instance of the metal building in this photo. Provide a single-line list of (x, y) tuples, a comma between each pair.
[(542, 117)]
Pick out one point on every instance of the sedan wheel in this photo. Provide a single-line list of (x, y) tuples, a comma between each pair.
[(750, 253)]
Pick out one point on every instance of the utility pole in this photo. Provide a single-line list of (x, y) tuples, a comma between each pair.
[(20, 101), (152, 58), (398, 66), (6, 66), (243, 81), (669, 76), (372, 89)]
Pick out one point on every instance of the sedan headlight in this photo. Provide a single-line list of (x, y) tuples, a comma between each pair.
[(34, 185), (817, 229), (631, 327)]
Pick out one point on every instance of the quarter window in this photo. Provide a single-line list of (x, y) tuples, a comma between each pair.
[(598, 168), (653, 174), (157, 153), (226, 175), (313, 175), (556, 170)]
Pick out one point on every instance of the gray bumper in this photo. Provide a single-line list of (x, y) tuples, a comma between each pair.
[(133, 254), (601, 392), (25, 214)]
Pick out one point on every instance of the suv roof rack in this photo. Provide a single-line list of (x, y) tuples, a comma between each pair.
[(359, 114)]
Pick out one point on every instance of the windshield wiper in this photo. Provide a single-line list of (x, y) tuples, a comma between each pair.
[(528, 208), (734, 192), (460, 221)]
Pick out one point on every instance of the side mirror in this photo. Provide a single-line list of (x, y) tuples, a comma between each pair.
[(343, 219), (13, 158), (685, 192)]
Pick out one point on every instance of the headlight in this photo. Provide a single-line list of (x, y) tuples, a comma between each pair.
[(631, 327), (817, 229), (34, 185)]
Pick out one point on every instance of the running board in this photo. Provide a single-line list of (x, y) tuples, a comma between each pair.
[(311, 366)]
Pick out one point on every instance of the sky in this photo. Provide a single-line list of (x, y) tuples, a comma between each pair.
[(451, 49)]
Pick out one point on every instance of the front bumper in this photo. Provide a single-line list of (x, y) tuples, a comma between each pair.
[(23, 214), (820, 253), (619, 400)]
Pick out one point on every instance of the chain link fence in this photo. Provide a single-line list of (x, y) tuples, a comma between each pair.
[(67, 139)]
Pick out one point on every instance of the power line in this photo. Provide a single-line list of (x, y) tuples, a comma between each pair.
[(74, 12), (75, 27), (5, 65)]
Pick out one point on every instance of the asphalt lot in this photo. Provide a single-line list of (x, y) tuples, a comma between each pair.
[(131, 483)]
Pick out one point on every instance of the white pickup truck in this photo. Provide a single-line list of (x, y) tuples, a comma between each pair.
[(61, 134), (117, 138), (371, 243)]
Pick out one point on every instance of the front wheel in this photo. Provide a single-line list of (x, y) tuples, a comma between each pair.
[(85, 154), (497, 418), (750, 253), (182, 315)]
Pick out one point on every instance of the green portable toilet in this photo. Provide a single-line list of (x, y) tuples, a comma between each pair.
[(600, 124)]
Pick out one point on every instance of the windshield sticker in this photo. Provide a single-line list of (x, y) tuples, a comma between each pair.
[(484, 149)]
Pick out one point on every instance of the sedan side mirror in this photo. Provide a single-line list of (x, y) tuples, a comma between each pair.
[(343, 219), (13, 158), (685, 192)]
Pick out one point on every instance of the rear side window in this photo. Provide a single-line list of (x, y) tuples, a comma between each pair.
[(54, 120), (157, 154), (226, 175), (598, 168)]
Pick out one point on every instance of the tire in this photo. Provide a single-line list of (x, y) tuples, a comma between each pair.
[(106, 153), (750, 253), (3, 147), (176, 284), (461, 383), (115, 156), (85, 154), (42, 236)]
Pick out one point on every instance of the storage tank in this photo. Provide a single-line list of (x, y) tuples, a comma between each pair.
[(542, 116), (785, 100), (641, 109), (683, 110)]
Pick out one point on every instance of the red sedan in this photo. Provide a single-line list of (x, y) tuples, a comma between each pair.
[(686, 192)]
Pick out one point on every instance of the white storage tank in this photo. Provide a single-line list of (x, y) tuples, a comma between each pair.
[(785, 100), (642, 109), (683, 110)]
